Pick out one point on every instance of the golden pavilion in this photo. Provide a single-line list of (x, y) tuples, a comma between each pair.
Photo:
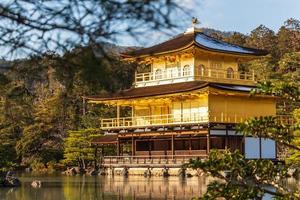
[(188, 102)]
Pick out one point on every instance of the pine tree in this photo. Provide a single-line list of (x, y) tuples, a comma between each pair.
[(289, 66), (236, 38), (78, 149), (262, 38), (289, 37)]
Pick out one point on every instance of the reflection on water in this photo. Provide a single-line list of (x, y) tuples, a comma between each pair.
[(57, 187)]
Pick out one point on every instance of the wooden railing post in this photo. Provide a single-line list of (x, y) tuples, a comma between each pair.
[(118, 115), (172, 146)]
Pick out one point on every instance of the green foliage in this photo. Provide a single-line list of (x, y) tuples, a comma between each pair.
[(286, 40), (263, 68), (286, 90), (41, 99), (78, 149), (3, 80), (262, 38), (289, 37), (42, 140), (294, 158), (7, 155), (267, 127), (39, 142), (289, 66), (236, 38), (245, 179)]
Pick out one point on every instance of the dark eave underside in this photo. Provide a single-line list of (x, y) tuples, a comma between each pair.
[(168, 89), (105, 139)]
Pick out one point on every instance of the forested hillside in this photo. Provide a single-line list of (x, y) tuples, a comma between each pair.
[(41, 96)]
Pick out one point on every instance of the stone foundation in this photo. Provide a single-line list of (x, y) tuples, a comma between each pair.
[(157, 171)]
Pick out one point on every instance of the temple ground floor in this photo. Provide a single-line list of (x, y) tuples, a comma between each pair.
[(163, 148), (175, 146), (197, 144)]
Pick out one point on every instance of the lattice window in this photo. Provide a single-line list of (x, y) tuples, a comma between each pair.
[(158, 74), (186, 70), (230, 73)]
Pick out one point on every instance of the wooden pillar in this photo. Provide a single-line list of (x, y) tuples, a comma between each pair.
[(132, 111), (181, 111), (150, 111), (96, 150), (102, 154), (190, 144), (133, 120), (149, 147), (208, 141), (132, 146), (172, 147), (118, 147), (95, 156), (226, 138)]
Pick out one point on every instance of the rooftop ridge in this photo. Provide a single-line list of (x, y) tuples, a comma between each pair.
[(196, 36)]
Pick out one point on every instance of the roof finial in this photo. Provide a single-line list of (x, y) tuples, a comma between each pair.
[(193, 29), (195, 21)]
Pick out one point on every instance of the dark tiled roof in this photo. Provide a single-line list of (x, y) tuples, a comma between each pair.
[(199, 39), (105, 139), (167, 89), (239, 88), (178, 42), (152, 90)]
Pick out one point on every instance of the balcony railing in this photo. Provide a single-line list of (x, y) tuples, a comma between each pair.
[(151, 159), (162, 77), (178, 75), (171, 119), (219, 74), (153, 120)]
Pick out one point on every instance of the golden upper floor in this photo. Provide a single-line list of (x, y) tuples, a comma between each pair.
[(181, 104), (193, 56)]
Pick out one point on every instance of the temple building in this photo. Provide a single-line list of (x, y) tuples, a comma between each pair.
[(187, 101)]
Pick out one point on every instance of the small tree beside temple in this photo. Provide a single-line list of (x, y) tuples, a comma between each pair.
[(78, 149)]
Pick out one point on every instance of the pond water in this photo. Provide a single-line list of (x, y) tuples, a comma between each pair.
[(58, 187)]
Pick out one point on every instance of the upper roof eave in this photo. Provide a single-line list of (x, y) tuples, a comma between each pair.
[(160, 53), (189, 41), (231, 52), (202, 47), (183, 87)]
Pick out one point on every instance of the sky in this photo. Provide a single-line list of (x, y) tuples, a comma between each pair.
[(244, 15), (224, 15), (233, 15)]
